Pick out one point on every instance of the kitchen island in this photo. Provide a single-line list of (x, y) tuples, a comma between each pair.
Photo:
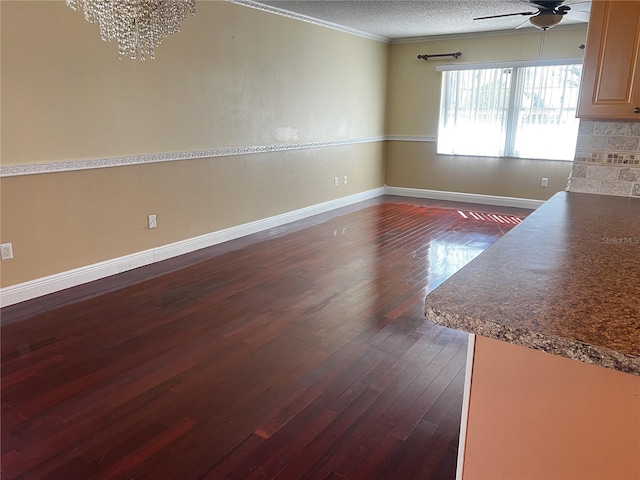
[(553, 377)]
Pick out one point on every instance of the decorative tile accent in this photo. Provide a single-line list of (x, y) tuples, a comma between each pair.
[(624, 159), (584, 185), (615, 188), (602, 173), (586, 157), (634, 128), (579, 171), (31, 169), (586, 127), (591, 142), (607, 159), (629, 175), (625, 143), (610, 128)]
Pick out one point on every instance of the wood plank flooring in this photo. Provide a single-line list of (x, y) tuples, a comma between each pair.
[(302, 353)]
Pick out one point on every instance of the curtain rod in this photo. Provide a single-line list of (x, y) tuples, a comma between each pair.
[(427, 57)]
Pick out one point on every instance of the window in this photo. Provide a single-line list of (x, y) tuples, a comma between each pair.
[(514, 111)]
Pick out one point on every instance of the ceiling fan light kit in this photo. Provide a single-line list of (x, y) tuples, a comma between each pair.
[(546, 21), (549, 14)]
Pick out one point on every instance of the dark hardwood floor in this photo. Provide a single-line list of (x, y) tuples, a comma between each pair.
[(299, 353)]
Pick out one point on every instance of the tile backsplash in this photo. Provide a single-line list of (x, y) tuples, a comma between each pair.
[(607, 159)]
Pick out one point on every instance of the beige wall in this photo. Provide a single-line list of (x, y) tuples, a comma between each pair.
[(234, 77), (84, 217), (416, 165), (413, 104)]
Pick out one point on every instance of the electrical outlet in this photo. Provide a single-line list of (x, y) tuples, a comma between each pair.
[(152, 221), (335, 181), (344, 180), (544, 182), (6, 249)]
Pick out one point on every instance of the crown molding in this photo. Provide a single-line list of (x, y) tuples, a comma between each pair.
[(314, 21)]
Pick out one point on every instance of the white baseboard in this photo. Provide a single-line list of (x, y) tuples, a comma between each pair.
[(464, 197), (466, 396), (78, 276), (71, 278)]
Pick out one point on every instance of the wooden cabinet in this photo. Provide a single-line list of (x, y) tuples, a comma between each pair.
[(539, 416), (611, 74)]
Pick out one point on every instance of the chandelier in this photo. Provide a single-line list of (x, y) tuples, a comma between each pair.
[(137, 25)]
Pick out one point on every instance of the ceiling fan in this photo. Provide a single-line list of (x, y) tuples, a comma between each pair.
[(549, 13)]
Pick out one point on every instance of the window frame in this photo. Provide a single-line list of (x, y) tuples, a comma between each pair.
[(514, 101)]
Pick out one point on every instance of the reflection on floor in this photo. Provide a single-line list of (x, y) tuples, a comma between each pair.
[(302, 352)]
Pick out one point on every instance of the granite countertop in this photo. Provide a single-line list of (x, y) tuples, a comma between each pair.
[(565, 281)]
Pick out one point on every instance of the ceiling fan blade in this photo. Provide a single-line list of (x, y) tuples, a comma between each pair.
[(581, 7), (506, 15), (524, 24), (578, 16), (545, 4)]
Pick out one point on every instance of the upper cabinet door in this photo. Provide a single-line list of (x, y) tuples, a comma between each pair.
[(611, 73)]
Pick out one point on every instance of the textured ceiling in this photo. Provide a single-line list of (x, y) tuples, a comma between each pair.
[(395, 19)]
